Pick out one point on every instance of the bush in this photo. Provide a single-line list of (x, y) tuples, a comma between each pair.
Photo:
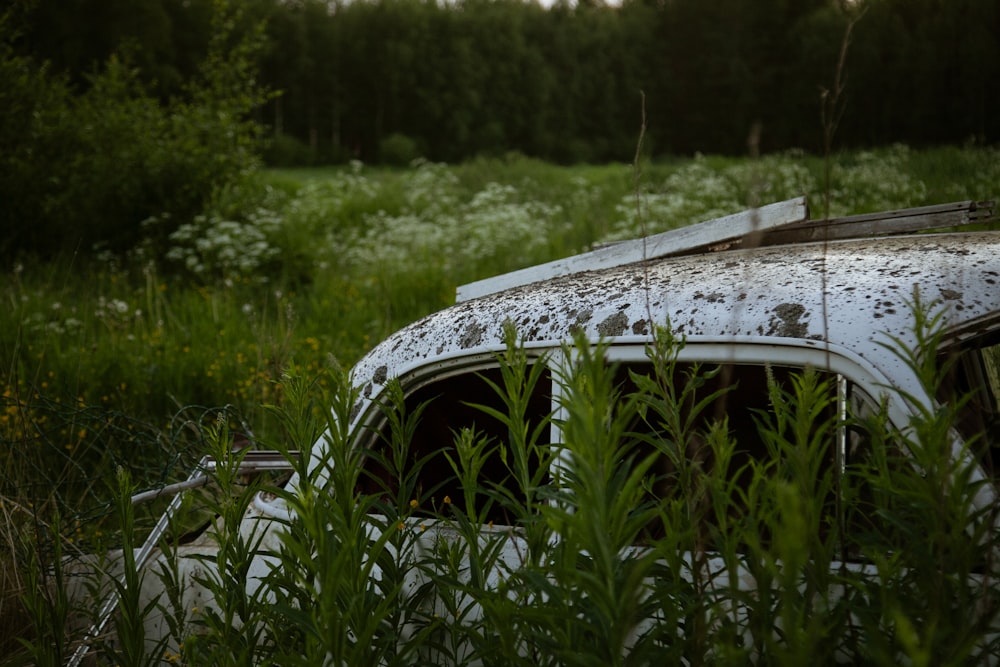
[(284, 150), (87, 169), (30, 166), (398, 150)]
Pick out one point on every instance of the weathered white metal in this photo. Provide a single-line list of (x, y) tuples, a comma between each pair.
[(849, 293), (775, 224), (886, 223), (253, 462)]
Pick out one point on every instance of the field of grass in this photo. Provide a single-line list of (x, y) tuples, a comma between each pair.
[(122, 361)]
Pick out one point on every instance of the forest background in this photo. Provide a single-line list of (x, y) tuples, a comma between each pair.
[(121, 111), (562, 83), (135, 131), (154, 277)]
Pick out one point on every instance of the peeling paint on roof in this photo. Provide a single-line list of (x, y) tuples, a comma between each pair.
[(787, 321), (614, 325)]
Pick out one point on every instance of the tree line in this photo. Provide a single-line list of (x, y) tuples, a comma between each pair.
[(94, 158), (386, 80)]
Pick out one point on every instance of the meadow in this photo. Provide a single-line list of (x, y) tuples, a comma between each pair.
[(125, 361)]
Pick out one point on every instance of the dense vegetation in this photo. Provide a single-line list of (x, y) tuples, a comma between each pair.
[(94, 168), (299, 265), (126, 122), (122, 359), (392, 79), (156, 281), (631, 559)]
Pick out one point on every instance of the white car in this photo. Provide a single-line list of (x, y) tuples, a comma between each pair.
[(758, 296)]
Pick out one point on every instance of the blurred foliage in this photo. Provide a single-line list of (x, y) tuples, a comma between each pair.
[(298, 267), (569, 83), (79, 170)]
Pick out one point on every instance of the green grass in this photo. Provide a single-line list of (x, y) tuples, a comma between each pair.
[(123, 360)]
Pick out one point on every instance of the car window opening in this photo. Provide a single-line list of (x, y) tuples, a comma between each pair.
[(451, 406), (972, 383), (743, 402), (740, 398)]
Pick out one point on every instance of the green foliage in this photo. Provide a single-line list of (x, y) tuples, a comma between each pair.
[(130, 648), (570, 82), (283, 150), (935, 581), (398, 150), (44, 597), (30, 141), (98, 357), (230, 629), (587, 593), (563, 83), (295, 266), (87, 169), (343, 558)]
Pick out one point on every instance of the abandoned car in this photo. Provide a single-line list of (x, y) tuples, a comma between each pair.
[(758, 296)]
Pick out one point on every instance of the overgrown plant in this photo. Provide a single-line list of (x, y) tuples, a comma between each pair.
[(587, 597), (129, 647), (229, 629), (933, 543), (792, 534), (475, 576), (87, 169), (651, 541), (338, 582), (45, 599), (661, 524), (695, 462)]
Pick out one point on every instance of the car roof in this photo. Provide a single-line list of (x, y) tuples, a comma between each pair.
[(851, 293)]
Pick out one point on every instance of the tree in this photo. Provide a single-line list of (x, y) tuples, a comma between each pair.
[(85, 169)]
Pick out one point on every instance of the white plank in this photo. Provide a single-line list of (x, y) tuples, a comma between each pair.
[(671, 242)]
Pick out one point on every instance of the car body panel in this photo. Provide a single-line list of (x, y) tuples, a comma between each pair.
[(852, 294)]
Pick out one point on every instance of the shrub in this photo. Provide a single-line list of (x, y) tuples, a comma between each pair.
[(284, 150), (31, 168), (214, 247), (398, 150), (88, 169)]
